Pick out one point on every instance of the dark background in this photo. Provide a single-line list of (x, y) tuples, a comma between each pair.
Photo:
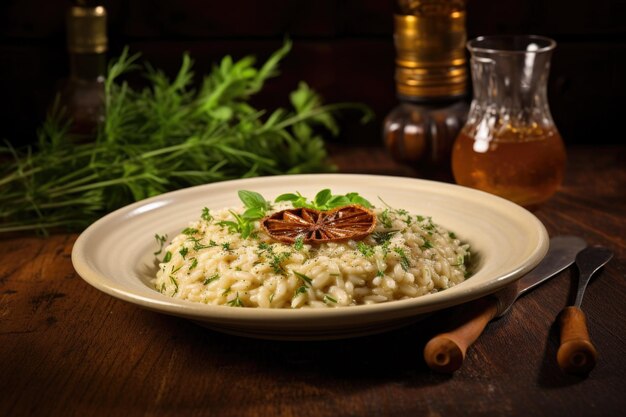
[(342, 48)]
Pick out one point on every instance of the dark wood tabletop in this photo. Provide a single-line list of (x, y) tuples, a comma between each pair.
[(67, 349)]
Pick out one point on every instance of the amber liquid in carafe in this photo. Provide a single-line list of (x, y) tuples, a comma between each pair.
[(524, 169)]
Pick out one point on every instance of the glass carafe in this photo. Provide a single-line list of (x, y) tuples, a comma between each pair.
[(509, 145)]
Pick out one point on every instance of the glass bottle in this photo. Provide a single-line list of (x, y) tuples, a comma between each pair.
[(82, 95), (431, 79), (510, 145)]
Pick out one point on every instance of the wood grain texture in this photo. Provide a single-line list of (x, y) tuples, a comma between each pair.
[(67, 349)]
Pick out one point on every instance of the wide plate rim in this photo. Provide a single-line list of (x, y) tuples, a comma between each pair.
[(252, 316)]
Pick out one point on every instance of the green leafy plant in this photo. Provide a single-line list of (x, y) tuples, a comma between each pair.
[(324, 200), (256, 207), (165, 136)]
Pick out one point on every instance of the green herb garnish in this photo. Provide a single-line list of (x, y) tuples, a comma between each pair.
[(385, 219), (298, 244), (206, 215), (404, 260), (304, 278), (210, 279), (256, 207), (323, 200), (366, 250), (161, 242), (194, 263), (276, 261), (427, 245), (328, 298), (300, 290), (175, 282), (198, 246), (235, 302), (167, 134), (382, 237), (183, 251), (167, 257)]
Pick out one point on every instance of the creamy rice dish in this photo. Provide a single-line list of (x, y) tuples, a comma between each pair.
[(214, 262)]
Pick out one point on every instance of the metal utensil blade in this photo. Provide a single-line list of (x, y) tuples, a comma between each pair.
[(561, 255), (589, 261)]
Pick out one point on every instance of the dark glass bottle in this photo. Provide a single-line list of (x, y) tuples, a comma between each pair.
[(82, 95), (431, 82)]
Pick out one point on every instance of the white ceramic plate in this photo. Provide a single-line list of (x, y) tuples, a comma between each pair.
[(115, 254)]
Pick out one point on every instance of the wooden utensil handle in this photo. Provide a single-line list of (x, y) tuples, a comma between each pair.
[(576, 354), (446, 351)]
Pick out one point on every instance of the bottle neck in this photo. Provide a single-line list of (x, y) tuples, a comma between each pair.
[(87, 66), (444, 100)]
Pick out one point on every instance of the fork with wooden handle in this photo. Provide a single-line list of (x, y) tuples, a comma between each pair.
[(576, 354)]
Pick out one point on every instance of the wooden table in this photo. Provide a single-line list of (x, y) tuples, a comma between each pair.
[(67, 349)]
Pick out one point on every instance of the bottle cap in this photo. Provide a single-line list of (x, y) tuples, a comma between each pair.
[(86, 29), (430, 49)]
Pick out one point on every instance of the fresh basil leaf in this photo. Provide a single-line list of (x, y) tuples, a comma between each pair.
[(322, 197), (301, 202), (246, 230), (286, 197), (253, 213), (252, 199), (357, 199), (338, 201)]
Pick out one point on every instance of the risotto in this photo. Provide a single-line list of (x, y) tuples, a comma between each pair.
[(405, 256)]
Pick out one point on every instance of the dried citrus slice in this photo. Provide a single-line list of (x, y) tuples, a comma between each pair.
[(343, 223)]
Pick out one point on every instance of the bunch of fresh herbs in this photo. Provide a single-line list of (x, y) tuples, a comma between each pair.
[(163, 137)]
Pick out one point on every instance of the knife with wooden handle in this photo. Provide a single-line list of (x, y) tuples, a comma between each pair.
[(446, 351)]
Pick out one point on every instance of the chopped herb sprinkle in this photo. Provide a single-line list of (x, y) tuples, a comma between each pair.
[(382, 237), (404, 260), (307, 280), (206, 215), (235, 302), (300, 290), (210, 279), (329, 299), (366, 250), (427, 245), (161, 242), (175, 282), (385, 219)]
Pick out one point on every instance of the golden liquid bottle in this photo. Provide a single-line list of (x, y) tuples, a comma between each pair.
[(510, 146), (431, 80)]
